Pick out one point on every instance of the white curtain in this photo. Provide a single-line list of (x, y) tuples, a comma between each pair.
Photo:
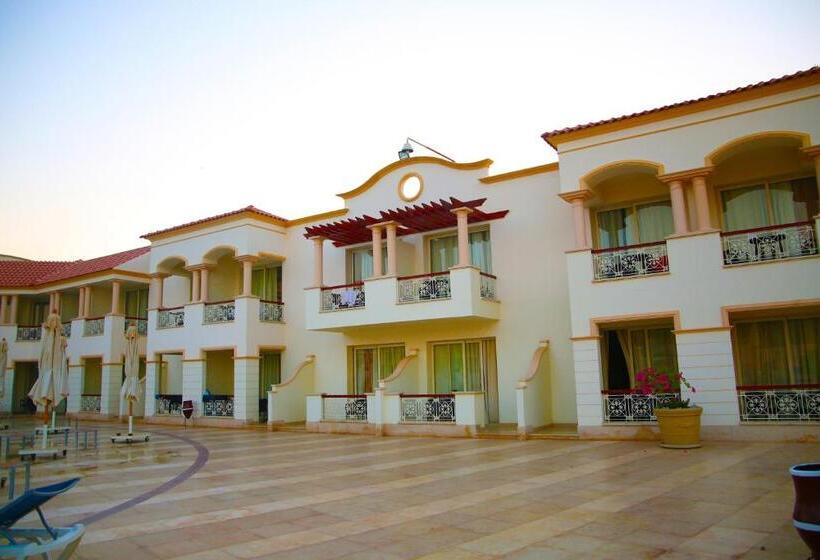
[(655, 221), (480, 250), (616, 228), (744, 208)]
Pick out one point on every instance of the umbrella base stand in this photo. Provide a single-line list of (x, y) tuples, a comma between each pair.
[(130, 438), (52, 430), (35, 453)]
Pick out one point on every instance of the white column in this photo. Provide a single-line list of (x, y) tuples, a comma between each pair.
[(203, 287), (701, 202), (195, 296), (463, 235), (151, 376), (115, 297), (707, 362), (50, 302), (4, 303), (247, 275), (110, 389), (579, 220), (75, 387), (390, 230), (318, 261), (87, 302), (57, 302), (81, 304), (376, 232), (678, 207), (246, 389), (13, 314), (193, 383)]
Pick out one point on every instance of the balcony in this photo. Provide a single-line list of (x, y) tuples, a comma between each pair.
[(344, 408), (626, 406), (29, 333), (634, 260), (219, 312), (764, 244), (271, 311), (171, 318), (428, 408), (460, 293), (94, 326), (779, 403)]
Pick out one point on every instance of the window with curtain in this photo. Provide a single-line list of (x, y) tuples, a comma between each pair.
[(39, 312), (770, 203), (458, 366), (266, 283), (361, 263), (372, 364), (632, 225), (270, 371), (625, 352), (136, 303), (444, 251), (778, 351)]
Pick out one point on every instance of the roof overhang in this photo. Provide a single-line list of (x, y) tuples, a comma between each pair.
[(418, 218)]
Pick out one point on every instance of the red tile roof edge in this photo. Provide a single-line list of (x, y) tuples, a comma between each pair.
[(251, 208), (802, 73)]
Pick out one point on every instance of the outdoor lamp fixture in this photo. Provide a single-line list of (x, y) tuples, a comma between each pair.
[(407, 149)]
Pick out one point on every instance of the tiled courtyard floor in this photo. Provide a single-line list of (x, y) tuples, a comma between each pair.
[(311, 496)]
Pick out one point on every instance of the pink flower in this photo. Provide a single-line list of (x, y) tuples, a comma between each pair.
[(641, 376)]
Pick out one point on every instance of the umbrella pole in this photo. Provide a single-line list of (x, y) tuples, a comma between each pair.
[(45, 425), (130, 417)]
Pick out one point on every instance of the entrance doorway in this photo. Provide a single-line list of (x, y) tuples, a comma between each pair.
[(467, 365), (25, 374), (270, 373)]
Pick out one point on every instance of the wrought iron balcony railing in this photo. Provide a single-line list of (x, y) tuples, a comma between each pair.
[(779, 403), (271, 311), (488, 283), (344, 296), (633, 260), (90, 403), (218, 405), (171, 318), (66, 329), (769, 243), (29, 333), (219, 312), (436, 408), (168, 405), (423, 287), (344, 408), (628, 406), (94, 326)]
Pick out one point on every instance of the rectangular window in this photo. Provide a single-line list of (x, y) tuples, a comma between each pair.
[(266, 283), (625, 352), (783, 351), (136, 303), (444, 251), (769, 204), (372, 364), (633, 225), (360, 266)]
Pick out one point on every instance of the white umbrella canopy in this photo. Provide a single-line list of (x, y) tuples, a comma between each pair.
[(130, 390), (4, 359), (61, 374), (44, 390)]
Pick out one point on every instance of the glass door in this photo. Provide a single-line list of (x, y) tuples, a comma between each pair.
[(467, 365), (372, 364)]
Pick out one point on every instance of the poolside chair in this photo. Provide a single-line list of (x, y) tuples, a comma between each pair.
[(31, 542)]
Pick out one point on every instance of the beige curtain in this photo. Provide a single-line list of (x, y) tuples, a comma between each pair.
[(623, 340), (616, 228), (804, 336), (794, 201), (655, 221), (744, 208), (761, 351)]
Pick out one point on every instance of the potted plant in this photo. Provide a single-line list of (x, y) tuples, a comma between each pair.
[(678, 420)]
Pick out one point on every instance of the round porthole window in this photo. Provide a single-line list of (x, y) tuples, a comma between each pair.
[(410, 187)]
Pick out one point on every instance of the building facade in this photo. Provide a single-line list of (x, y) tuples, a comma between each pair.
[(443, 299)]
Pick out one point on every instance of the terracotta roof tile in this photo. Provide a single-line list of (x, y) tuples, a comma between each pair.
[(252, 209), (813, 70), (29, 274)]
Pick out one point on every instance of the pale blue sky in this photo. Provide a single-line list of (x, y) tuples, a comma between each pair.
[(119, 118)]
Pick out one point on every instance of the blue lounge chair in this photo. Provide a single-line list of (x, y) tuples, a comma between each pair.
[(23, 543)]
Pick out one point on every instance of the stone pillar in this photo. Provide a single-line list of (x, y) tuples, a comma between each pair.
[(110, 389), (586, 353), (13, 314), (579, 220), (376, 230), (75, 387), (463, 235), (678, 207), (318, 261), (195, 296), (701, 202), (115, 297), (57, 297), (247, 274), (4, 304), (246, 389), (705, 358), (151, 377), (203, 284), (193, 383), (87, 302), (81, 304), (392, 261)]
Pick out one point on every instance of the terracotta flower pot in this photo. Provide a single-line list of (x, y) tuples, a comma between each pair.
[(806, 516), (680, 427)]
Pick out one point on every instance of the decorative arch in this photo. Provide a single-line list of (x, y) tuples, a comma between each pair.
[(216, 253), (621, 167), (171, 263), (728, 149)]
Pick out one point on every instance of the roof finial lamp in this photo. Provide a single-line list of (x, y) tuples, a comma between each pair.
[(407, 149)]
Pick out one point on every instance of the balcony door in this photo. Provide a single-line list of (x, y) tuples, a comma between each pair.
[(467, 365), (626, 351), (372, 364), (136, 303), (769, 203), (633, 225), (266, 283), (444, 251), (360, 264)]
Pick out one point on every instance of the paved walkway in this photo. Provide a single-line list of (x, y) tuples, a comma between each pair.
[(209, 494)]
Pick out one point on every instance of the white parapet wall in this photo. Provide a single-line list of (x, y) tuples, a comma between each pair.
[(287, 400), (532, 395)]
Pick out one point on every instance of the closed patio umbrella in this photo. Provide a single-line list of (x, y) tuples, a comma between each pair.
[(131, 387), (44, 390), (61, 379)]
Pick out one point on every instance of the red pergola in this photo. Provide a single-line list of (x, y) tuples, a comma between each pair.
[(417, 218)]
